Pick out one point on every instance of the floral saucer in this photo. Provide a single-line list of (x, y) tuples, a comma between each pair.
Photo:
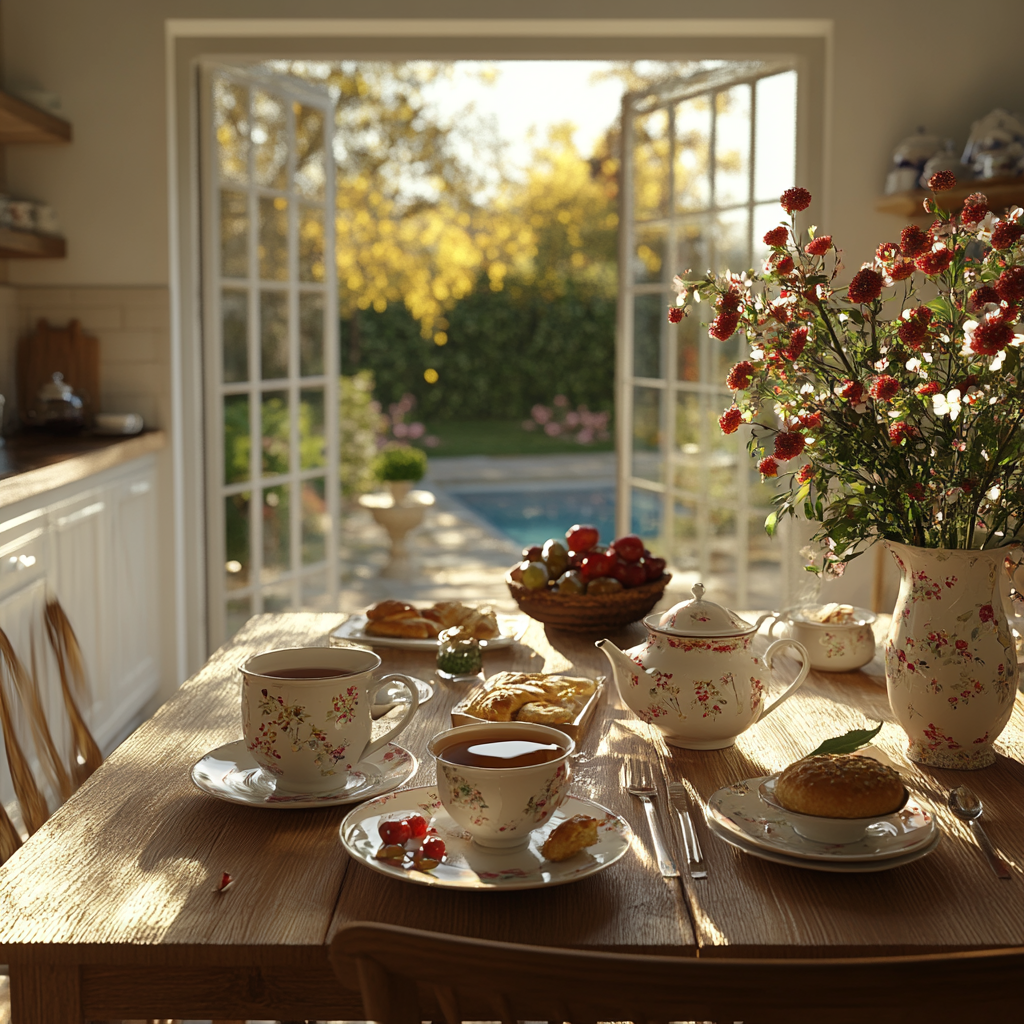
[(469, 867), (738, 811), (230, 773)]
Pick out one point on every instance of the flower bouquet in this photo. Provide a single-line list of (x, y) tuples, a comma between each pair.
[(893, 409)]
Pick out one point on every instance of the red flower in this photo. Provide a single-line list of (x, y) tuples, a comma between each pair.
[(900, 430), (913, 241), (916, 491), (795, 199), (885, 387), (866, 286), (729, 301), (991, 337), (935, 261), (818, 246), (1010, 286), (942, 181), (980, 297), (810, 419), (806, 473), (887, 252), (901, 270), (768, 467), (723, 327), (730, 420), (797, 341), (739, 376), (789, 444), (975, 208), (931, 388), (1005, 233), (675, 314), (782, 263), (777, 236), (914, 330), (851, 390)]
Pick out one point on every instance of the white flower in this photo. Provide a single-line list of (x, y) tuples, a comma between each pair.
[(914, 366), (948, 404)]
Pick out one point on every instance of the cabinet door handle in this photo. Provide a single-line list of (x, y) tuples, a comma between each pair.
[(82, 513)]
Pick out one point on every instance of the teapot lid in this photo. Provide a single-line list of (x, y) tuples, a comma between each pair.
[(700, 618)]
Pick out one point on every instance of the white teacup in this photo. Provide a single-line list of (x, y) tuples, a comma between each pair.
[(500, 807), (306, 713)]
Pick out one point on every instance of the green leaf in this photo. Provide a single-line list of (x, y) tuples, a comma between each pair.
[(848, 742)]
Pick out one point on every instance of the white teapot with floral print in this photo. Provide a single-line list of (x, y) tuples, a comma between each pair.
[(697, 678)]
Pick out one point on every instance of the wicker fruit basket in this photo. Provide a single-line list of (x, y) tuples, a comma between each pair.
[(588, 613)]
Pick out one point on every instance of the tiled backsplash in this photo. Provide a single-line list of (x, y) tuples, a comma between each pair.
[(133, 327)]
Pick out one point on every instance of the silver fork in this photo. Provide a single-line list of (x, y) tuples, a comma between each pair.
[(639, 783)]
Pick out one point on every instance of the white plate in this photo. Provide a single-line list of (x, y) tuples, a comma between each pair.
[(352, 631), (852, 867), (395, 693), (467, 866), (230, 773), (739, 812)]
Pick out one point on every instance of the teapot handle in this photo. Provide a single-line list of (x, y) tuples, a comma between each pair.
[(801, 675)]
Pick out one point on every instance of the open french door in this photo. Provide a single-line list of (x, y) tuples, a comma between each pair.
[(270, 338), (705, 160)]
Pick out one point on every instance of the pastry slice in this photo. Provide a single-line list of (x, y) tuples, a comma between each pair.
[(545, 714), (574, 834)]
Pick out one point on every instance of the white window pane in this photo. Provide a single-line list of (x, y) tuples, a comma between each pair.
[(775, 136)]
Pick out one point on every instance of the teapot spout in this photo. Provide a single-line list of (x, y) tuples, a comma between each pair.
[(620, 662)]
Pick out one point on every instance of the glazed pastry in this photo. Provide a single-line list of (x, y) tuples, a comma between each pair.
[(500, 703), (574, 834), (545, 714), (448, 613), (391, 610), (840, 786), (412, 628)]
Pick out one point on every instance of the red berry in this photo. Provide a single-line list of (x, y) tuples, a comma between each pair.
[(629, 548), (395, 832), (633, 574), (654, 568), (581, 537), (575, 557), (597, 564), (433, 848), (417, 825), (533, 554)]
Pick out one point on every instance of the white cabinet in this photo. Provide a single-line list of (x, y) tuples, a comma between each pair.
[(94, 544)]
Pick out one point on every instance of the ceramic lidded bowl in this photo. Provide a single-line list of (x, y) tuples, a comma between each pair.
[(831, 646)]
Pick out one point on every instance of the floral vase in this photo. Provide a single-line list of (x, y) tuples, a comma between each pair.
[(950, 663)]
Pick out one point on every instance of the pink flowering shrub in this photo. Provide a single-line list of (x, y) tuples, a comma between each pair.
[(393, 425), (559, 420), (901, 393)]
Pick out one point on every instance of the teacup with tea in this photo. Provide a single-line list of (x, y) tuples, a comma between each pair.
[(306, 713), (502, 781)]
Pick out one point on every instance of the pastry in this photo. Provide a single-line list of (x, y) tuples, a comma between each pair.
[(545, 714), (573, 835), (391, 610), (448, 613), (410, 628), (500, 703), (840, 786)]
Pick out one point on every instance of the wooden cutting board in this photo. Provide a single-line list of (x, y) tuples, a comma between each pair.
[(67, 350)]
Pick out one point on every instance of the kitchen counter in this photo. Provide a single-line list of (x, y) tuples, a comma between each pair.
[(32, 464)]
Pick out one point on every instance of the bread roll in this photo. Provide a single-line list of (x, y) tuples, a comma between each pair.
[(840, 786), (391, 610)]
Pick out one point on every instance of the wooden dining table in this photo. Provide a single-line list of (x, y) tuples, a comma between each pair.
[(111, 910)]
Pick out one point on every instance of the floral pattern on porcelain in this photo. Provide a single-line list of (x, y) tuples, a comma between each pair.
[(465, 795), (540, 806), (951, 670)]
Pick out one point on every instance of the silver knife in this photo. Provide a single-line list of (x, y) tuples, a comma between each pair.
[(681, 802)]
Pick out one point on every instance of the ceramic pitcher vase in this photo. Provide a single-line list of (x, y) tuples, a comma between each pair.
[(950, 664)]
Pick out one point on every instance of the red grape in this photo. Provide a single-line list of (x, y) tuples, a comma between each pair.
[(632, 574), (417, 825), (532, 554), (433, 848), (597, 564), (395, 832), (654, 568), (581, 537), (629, 548)]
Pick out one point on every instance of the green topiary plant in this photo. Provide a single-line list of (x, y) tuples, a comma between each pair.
[(399, 462)]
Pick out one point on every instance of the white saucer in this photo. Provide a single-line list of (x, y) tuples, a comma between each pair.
[(230, 773), (738, 812), (469, 867), (852, 867), (395, 693)]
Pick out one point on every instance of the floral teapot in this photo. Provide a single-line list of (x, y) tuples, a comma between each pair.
[(697, 678)]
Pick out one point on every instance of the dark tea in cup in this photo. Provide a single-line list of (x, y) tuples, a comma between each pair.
[(500, 751)]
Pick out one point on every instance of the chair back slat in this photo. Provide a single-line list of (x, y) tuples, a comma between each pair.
[(471, 979)]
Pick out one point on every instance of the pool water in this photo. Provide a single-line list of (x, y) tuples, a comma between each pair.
[(531, 516)]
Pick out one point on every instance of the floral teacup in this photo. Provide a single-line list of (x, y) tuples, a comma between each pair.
[(306, 713), (840, 646), (500, 806)]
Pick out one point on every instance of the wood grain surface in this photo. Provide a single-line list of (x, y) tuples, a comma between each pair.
[(115, 894)]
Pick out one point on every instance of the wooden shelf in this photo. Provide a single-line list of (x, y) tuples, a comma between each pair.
[(1001, 192), (21, 122), (26, 245)]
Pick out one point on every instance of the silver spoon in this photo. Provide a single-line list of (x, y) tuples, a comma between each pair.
[(966, 805)]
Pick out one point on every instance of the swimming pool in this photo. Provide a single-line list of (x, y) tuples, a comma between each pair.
[(531, 514)]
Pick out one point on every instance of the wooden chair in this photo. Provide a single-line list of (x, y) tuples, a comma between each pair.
[(408, 976)]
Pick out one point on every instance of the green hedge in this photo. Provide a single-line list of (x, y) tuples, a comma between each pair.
[(505, 352)]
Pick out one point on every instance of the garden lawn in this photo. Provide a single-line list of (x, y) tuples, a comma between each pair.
[(503, 437)]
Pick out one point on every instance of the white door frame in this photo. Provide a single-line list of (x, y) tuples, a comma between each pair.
[(809, 41)]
